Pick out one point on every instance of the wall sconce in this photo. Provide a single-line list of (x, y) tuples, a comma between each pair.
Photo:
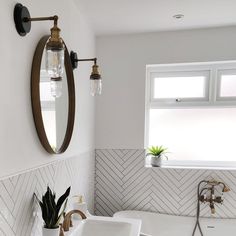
[(95, 77), (54, 48)]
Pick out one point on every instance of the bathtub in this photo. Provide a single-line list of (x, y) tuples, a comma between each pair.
[(155, 224)]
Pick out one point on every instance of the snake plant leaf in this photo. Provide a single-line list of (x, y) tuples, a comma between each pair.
[(47, 210), (62, 212), (62, 199), (44, 211), (52, 209), (51, 205)]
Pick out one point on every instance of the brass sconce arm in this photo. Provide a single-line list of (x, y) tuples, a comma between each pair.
[(74, 60), (95, 75), (23, 19), (90, 59), (54, 18)]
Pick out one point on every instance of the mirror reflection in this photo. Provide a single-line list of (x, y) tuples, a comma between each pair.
[(54, 105)]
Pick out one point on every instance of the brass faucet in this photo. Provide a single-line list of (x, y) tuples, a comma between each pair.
[(67, 223), (212, 199)]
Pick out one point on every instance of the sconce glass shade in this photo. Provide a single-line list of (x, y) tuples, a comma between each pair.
[(95, 81), (55, 62), (56, 87), (55, 52), (95, 87)]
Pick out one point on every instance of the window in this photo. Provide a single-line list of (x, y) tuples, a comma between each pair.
[(191, 110), (180, 85), (226, 85)]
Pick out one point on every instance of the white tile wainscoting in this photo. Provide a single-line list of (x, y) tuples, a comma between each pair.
[(123, 183), (17, 217)]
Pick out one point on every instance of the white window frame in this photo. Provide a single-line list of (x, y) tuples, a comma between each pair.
[(173, 101), (211, 100), (219, 73)]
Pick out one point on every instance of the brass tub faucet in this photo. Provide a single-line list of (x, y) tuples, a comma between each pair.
[(206, 194), (211, 198)]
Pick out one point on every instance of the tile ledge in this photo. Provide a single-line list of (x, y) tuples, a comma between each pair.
[(193, 167)]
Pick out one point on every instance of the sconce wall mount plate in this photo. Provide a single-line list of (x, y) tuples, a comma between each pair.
[(21, 14), (74, 59)]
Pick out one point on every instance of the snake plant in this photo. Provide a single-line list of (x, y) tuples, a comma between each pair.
[(52, 211)]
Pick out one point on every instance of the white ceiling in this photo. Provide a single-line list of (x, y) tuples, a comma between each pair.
[(136, 16)]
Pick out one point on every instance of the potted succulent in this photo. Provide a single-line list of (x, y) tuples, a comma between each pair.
[(52, 211), (156, 153)]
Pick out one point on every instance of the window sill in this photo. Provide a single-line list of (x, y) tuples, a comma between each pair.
[(198, 165)]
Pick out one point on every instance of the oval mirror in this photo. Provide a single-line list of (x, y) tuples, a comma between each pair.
[(53, 115)]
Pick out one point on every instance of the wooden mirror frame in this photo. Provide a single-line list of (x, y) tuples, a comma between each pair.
[(35, 98)]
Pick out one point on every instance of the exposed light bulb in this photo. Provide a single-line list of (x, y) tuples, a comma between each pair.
[(95, 87), (56, 87), (95, 81), (55, 62)]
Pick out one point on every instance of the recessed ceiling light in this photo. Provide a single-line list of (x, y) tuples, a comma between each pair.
[(178, 16)]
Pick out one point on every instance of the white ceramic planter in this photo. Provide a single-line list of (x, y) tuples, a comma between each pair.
[(50, 232), (156, 161)]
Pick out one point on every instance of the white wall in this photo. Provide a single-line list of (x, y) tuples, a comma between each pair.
[(20, 148), (120, 109)]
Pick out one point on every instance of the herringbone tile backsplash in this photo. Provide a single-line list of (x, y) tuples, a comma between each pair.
[(18, 209), (123, 183)]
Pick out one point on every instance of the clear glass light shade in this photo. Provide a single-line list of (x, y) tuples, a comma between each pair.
[(56, 88), (95, 87), (55, 62)]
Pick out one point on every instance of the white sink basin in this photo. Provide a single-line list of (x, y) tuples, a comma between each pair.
[(105, 226)]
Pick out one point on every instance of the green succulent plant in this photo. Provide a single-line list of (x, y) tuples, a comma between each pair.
[(52, 211), (157, 151)]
